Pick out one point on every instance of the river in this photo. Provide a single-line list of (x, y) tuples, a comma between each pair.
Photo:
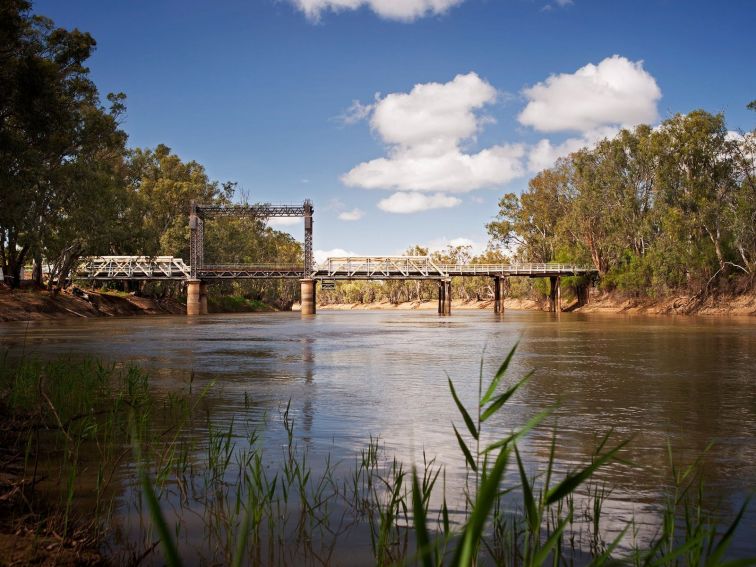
[(681, 383)]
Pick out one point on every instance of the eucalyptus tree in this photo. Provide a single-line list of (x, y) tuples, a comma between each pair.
[(696, 179), (60, 149), (742, 213), (528, 224)]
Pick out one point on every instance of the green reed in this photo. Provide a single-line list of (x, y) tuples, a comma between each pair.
[(260, 508)]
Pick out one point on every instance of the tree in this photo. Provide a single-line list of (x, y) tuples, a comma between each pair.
[(162, 187), (696, 176), (527, 225), (60, 149)]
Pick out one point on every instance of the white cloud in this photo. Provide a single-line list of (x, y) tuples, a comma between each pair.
[(355, 113), (617, 91), (353, 215), (544, 154), (440, 244), (284, 221), (322, 255), (402, 10), (424, 130), (451, 171), (403, 202)]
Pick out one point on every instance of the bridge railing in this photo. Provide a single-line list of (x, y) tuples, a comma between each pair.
[(422, 266), (521, 268)]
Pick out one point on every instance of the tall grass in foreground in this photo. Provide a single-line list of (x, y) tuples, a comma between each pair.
[(220, 498)]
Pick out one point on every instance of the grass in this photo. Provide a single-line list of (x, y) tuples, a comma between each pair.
[(73, 419)]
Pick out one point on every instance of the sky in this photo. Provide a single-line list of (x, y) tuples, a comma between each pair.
[(406, 120)]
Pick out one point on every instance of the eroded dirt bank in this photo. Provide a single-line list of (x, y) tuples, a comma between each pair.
[(37, 305), (727, 305)]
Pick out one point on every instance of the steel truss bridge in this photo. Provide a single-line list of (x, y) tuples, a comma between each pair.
[(342, 268)]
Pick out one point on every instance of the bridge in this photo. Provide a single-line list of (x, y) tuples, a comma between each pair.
[(197, 273)]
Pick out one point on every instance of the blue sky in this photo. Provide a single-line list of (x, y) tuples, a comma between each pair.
[(455, 104)]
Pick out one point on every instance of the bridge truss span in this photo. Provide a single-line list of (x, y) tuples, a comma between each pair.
[(378, 268), (132, 268), (249, 271)]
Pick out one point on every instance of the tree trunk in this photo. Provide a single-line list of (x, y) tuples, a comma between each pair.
[(16, 262), (37, 270)]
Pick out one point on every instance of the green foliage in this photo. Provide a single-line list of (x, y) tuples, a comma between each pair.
[(654, 210), (61, 150), (235, 304)]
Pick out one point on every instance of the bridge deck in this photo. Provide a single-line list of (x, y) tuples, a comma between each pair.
[(347, 268)]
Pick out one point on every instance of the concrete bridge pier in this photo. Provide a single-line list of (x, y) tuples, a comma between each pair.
[(193, 304), (444, 297), (308, 296), (203, 298), (196, 297), (555, 294)]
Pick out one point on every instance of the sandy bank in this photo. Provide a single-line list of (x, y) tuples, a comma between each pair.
[(739, 305), (429, 305)]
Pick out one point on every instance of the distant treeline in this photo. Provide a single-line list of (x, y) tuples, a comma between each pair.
[(398, 291), (70, 186), (655, 210)]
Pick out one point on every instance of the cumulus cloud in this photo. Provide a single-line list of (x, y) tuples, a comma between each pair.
[(353, 215), (424, 131), (617, 91), (284, 221), (440, 244), (321, 256), (404, 202), (544, 154), (402, 10), (451, 171), (355, 113)]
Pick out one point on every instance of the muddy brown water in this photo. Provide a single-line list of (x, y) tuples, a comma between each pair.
[(664, 381)]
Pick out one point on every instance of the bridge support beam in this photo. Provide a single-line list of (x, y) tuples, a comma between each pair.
[(444, 297), (582, 294), (308, 296), (555, 294), (500, 287), (193, 302)]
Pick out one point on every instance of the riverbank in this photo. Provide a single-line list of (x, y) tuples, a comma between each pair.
[(601, 302), (39, 305), (717, 305)]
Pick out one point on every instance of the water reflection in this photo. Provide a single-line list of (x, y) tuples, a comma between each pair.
[(348, 376)]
